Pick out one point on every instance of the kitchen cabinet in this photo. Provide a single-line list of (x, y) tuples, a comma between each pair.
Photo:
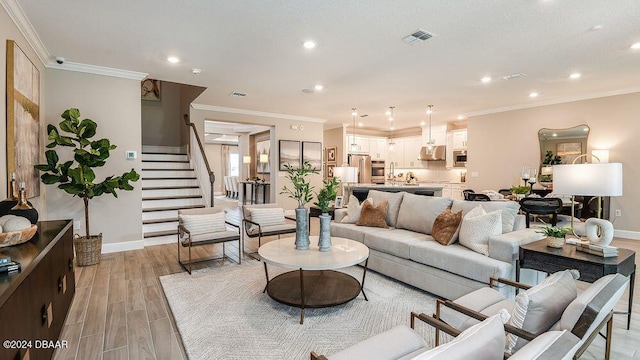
[(396, 156), (378, 148), (362, 144), (411, 148), (459, 139)]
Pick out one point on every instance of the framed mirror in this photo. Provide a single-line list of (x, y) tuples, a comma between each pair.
[(560, 146)]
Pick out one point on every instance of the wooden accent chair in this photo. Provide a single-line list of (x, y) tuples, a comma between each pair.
[(255, 229)]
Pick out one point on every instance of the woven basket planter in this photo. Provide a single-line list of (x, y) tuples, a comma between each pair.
[(88, 249), (555, 242)]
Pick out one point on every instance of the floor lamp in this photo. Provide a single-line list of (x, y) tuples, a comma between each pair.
[(601, 179), (247, 160), (347, 175)]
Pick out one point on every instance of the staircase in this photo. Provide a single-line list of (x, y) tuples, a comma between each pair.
[(168, 185)]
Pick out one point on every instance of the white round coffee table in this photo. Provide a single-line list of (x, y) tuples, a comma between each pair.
[(314, 283)]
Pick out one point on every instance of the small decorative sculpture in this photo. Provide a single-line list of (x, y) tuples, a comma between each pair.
[(594, 225)]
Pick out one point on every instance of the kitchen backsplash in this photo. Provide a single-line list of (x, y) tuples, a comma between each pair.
[(436, 172)]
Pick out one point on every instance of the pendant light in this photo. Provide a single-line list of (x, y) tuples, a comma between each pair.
[(392, 145), (354, 113), (430, 143)]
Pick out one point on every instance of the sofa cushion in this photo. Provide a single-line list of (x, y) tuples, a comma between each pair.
[(357, 233), (477, 227), (509, 210), (354, 209), (373, 215), (484, 341), (418, 212), (459, 260), (394, 241), (394, 199), (446, 227)]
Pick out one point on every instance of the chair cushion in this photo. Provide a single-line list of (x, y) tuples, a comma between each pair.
[(541, 306), (373, 215), (205, 223), (272, 230), (556, 345), (418, 212), (446, 227), (267, 216), (477, 227), (215, 237), (394, 200), (477, 300), (484, 341), (354, 208), (509, 210)]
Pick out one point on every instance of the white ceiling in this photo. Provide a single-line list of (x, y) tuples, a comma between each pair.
[(256, 47)]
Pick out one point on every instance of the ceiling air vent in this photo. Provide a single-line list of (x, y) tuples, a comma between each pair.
[(417, 37), (513, 76), (238, 94)]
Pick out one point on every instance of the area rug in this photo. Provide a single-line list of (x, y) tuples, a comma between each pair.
[(221, 313)]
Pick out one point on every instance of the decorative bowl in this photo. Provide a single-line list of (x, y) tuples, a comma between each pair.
[(17, 237)]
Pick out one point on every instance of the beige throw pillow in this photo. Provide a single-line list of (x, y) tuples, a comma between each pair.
[(446, 227), (477, 227), (354, 208), (373, 216)]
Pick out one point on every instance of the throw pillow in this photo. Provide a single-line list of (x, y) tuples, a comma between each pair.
[(354, 208), (394, 200), (417, 213), (373, 215), (541, 306), (477, 227), (509, 210), (205, 223), (268, 216), (446, 227)]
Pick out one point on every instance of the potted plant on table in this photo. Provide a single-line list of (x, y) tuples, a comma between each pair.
[(76, 176), (555, 235), (326, 195), (519, 191), (302, 193)]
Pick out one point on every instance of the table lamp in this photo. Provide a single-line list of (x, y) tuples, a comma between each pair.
[(601, 179), (346, 174), (264, 159), (247, 160)]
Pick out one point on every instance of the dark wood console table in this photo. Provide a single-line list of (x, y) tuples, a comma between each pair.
[(538, 256), (34, 302)]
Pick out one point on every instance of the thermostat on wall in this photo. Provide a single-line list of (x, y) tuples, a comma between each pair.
[(130, 155)]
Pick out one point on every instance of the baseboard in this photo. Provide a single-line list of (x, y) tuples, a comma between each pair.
[(161, 240), (626, 234), (122, 246)]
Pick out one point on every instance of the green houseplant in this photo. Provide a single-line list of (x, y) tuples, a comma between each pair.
[(76, 176), (555, 235), (325, 196), (302, 192), (519, 191)]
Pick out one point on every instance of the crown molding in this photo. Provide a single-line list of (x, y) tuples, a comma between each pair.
[(16, 13), (554, 101), (24, 25), (99, 70), (256, 113)]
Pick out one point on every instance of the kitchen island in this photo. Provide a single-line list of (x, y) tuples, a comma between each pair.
[(362, 190)]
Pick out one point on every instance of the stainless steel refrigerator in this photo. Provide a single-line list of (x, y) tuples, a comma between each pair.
[(363, 163)]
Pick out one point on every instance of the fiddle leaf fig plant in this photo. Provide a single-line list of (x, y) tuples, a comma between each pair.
[(76, 176), (301, 190), (327, 194)]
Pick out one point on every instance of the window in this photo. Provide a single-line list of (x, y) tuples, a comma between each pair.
[(234, 162)]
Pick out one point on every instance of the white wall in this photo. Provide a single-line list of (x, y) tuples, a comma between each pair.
[(114, 104), (499, 144), (313, 131)]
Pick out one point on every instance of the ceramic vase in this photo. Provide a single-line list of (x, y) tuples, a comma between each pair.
[(302, 228), (555, 242), (324, 240)]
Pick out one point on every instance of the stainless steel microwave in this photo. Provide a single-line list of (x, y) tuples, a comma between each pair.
[(460, 158)]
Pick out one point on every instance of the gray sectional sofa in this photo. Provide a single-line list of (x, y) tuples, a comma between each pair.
[(407, 252)]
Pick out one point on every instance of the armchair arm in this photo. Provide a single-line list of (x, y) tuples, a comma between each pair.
[(246, 229), (181, 230), (234, 225), (436, 323), (289, 217), (509, 282), (505, 247)]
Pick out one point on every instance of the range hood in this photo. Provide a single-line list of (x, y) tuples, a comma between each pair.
[(438, 154)]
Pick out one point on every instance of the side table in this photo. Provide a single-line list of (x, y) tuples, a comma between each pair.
[(538, 256)]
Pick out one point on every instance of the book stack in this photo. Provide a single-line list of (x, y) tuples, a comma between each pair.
[(603, 251), (8, 266)]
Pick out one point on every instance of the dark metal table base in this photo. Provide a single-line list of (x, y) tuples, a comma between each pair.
[(314, 288)]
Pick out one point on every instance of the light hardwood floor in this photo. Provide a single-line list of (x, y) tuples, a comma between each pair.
[(120, 311)]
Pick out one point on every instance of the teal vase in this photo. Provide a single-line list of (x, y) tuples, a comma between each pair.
[(302, 228)]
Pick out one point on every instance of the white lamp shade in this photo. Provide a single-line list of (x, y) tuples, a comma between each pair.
[(264, 158), (346, 174), (246, 159), (588, 179)]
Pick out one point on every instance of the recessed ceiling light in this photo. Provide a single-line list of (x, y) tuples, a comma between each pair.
[(196, 71), (318, 87), (636, 46), (309, 44), (388, 112), (360, 124), (596, 27), (391, 128), (486, 79), (533, 94), (575, 75), (173, 59), (461, 117), (422, 123), (554, 134)]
